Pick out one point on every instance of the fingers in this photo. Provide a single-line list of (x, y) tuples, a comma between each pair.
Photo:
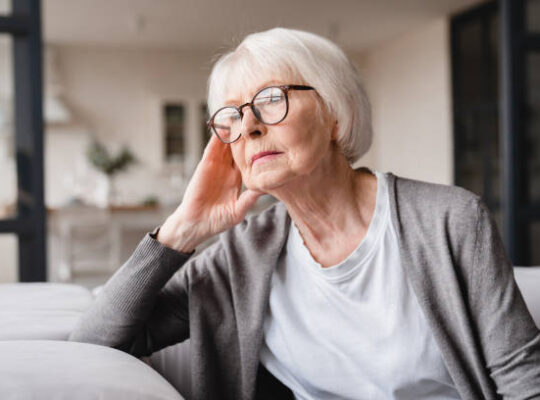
[(246, 200), (212, 146), (218, 151), (238, 176)]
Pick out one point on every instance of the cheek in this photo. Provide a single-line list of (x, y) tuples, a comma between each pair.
[(236, 156), (313, 140), (237, 151)]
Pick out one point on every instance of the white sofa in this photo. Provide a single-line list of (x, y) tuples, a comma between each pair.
[(35, 321), (528, 280), (39, 363)]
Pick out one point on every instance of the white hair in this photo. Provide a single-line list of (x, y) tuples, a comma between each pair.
[(310, 59)]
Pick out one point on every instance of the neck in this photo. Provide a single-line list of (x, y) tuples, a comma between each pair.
[(332, 204)]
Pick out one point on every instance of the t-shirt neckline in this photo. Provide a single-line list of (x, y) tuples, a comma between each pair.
[(298, 250)]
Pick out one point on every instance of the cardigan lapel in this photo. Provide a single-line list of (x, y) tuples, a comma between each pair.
[(252, 298), (418, 246)]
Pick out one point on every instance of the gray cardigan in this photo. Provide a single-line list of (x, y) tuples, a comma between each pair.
[(450, 249)]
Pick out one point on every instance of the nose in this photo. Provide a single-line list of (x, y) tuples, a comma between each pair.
[(251, 126)]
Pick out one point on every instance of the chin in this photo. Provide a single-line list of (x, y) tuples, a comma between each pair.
[(266, 181)]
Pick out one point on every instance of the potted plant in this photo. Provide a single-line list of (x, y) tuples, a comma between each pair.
[(110, 166)]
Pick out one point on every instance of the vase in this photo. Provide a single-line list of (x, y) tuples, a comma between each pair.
[(109, 193)]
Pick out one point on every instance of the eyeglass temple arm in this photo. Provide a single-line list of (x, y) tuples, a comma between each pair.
[(300, 87)]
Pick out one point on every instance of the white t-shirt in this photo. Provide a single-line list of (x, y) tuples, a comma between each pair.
[(354, 330)]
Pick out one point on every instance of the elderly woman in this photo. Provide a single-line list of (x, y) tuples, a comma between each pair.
[(355, 285)]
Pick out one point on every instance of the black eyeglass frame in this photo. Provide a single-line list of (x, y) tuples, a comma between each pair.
[(284, 88)]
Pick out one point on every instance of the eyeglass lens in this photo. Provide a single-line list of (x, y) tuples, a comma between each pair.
[(269, 107)]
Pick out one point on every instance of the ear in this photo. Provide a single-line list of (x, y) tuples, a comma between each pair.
[(335, 130)]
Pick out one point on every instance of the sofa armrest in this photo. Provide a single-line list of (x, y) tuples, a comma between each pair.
[(174, 364), (50, 369), (41, 310)]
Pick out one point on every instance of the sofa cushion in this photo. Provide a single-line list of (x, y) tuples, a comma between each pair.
[(41, 310), (174, 364), (47, 369)]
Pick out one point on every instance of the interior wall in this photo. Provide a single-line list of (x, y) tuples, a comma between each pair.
[(115, 91), (9, 251), (409, 83), (116, 95), (7, 164)]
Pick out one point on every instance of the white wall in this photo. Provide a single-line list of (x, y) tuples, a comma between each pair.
[(116, 91), (116, 95), (408, 81), (9, 257), (7, 177)]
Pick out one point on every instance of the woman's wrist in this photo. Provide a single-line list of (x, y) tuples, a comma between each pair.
[(178, 236)]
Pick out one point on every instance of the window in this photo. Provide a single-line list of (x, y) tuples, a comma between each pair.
[(475, 96), (174, 115), (206, 131), (496, 100)]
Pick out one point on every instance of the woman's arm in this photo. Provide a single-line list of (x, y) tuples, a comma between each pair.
[(510, 340), (135, 311)]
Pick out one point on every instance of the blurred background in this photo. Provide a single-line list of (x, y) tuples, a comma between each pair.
[(102, 112)]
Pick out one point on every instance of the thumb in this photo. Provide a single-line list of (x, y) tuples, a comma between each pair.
[(246, 200)]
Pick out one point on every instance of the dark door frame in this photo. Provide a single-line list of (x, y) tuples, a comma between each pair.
[(29, 223), (515, 43)]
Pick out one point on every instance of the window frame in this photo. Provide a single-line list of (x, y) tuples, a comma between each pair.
[(514, 43)]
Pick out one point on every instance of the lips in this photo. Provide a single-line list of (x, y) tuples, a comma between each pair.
[(263, 154)]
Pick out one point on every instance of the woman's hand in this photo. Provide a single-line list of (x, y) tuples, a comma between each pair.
[(212, 203)]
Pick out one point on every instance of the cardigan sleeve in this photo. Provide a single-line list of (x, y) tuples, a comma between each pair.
[(509, 337), (140, 309)]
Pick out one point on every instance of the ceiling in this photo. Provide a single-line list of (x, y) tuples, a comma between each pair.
[(211, 24)]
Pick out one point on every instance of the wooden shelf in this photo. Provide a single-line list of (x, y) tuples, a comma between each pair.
[(119, 208)]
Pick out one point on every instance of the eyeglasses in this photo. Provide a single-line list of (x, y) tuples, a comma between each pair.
[(270, 106)]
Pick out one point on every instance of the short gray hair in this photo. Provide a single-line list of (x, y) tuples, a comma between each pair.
[(316, 61)]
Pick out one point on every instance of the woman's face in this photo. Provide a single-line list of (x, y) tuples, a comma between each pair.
[(296, 145)]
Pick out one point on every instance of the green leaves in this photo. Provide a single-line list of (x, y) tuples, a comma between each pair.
[(99, 157)]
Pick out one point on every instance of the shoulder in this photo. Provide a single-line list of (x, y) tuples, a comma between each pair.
[(432, 194), (431, 210), (433, 200), (445, 224)]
